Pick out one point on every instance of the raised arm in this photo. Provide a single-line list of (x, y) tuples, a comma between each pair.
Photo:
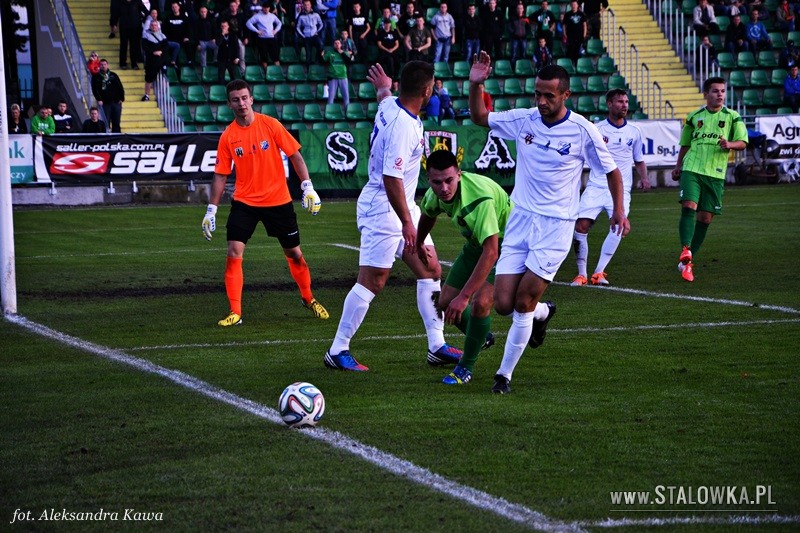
[(380, 80), (478, 73)]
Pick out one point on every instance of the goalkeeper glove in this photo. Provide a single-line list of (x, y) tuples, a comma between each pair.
[(311, 200), (210, 221)]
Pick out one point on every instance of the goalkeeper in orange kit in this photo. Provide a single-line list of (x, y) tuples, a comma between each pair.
[(252, 144)]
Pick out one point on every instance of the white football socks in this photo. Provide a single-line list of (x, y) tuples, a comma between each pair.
[(610, 246), (355, 308), (581, 245), (434, 322), (517, 340)]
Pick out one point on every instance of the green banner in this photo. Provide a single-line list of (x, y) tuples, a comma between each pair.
[(338, 159)]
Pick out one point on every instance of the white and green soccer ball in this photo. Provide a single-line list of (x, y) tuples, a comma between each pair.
[(301, 405)]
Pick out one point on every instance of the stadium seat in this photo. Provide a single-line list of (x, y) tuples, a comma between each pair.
[(313, 112), (317, 73), (452, 88), (209, 75), (530, 85), (605, 65), (372, 108), (261, 93), (203, 114), (726, 60), (461, 69), (341, 125), (291, 113), (217, 94), (492, 86), (358, 72), (176, 93), (288, 55), (320, 126), (304, 92), (586, 104), (366, 91), (355, 111), (512, 87), (449, 122), (766, 59), (778, 75), (295, 73), (298, 126), (461, 106), (430, 123), (212, 127), (759, 78), (751, 97), (189, 76), (282, 93), (784, 111), (274, 74), (524, 103), (270, 110), (195, 94), (441, 70), (778, 41), (617, 81), (172, 75), (254, 74), (639, 115), (585, 66), (503, 68), (250, 55), (576, 86), (334, 112), (794, 36), (764, 111), (224, 114), (467, 122), (558, 49), (594, 47), (566, 63), (364, 125), (189, 128), (184, 113), (523, 68), (502, 104), (745, 59), (596, 84), (773, 96), (738, 79)]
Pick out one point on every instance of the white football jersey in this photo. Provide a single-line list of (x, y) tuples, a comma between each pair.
[(396, 146), (625, 144), (550, 159)]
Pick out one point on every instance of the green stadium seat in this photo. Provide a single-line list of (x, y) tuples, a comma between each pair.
[(212, 127), (760, 78), (217, 94), (605, 65), (195, 94), (270, 110), (176, 93), (320, 126), (317, 73), (530, 85), (364, 125), (764, 111), (295, 73), (617, 81), (493, 87), (254, 74), (773, 96), (503, 68), (576, 85), (366, 91), (639, 115), (558, 49), (596, 84), (751, 97), (461, 69), (203, 114), (586, 104), (745, 59), (585, 66), (716, 40), (184, 113), (288, 55), (172, 75), (355, 111), (726, 61), (189, 128), (274, 74), (189, 76), (566, 63), (524, 103), (512, 87), (594, 119), (358, 72), (430, 123), (261, 93), (778, 41), (723, 21), (594, 47), (784, 111), (461, 105), (441, 70), (250, 55), (449, 122), (298, 126), (452, 88), (341, 125), (778, 75), (209, 75), (313, 112), (282, 93), (291, 113), (372, 108), (467, 122), (502, 104), (766, 59), (224, 114), (334, 112), (738, 78), (304, 92)]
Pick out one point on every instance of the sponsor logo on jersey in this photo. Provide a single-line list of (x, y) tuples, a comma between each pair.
[(239, 151), (80, 163), (398, 163)]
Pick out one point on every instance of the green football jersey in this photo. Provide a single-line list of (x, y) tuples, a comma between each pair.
[(702, 133), (479, 209)]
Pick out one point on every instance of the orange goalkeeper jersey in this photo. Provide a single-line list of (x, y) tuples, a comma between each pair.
[(255, 152)]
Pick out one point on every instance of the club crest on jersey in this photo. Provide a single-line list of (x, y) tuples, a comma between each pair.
[(629, 142), (264, 145), (605, 139), (699, 123), (564, 148), (239, 151), (721, 124), (529, 137)]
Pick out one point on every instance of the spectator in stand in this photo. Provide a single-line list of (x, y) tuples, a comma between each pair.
[(736, 36), (385, 14), (432, 108), (237, 26), (338, 60), (65, 123), (388, 48), (518, 30), (544, 23), (93, 64), (93, 124), (108, 91), (472, 33), (790, 56), (706, 54), (206, 31), (445, 102), (309, 29), (132, 13), (703, 19), (784, 16), (494, 24), (594, 9), (227, 53), (575, 30), (418, 41), (265, 27), (757, 33), (178, 29), (444, 33), (16, 123), (791, 89), (542, 56), (407, 20), (359, 27), (348, 44), (42, 122), (113, 18), (156, 56), (279, 11), (486, 97), (328, 9)]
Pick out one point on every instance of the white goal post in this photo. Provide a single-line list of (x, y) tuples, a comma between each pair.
[(8, 277)]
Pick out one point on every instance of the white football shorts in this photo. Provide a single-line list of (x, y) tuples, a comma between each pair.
[(596, 199), (535, 242), (382, 238)]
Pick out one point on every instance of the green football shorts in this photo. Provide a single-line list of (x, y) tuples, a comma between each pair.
[(705, 191), (464, 265)]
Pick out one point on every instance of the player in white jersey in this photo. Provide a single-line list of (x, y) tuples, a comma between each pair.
[(552, 145), (624, 141), (387, 216)]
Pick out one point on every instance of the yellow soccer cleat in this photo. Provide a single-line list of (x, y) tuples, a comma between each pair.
[(231, 320), (317, 309)]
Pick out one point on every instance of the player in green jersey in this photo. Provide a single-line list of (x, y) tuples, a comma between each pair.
[(707, 137), (478, 207)]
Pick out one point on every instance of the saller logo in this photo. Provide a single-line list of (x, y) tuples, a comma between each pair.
[(80, 163)]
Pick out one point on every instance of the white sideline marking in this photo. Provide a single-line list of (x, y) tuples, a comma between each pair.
[(386, 461), (701, 325), (692, 520)]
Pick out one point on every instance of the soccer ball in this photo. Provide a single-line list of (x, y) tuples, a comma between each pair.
[(301, 405)]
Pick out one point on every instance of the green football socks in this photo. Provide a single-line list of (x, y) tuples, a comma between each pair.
[(477, 329), (686, 226)]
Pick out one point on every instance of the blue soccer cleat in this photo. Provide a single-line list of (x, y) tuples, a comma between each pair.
[(344, 361), (459, 376), (446, 355)]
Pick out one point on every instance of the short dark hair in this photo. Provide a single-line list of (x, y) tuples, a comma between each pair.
[(613, 93), (237, 85), (93, 108), (414, 77), (712, 81), (555, 72), (442, 160)]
